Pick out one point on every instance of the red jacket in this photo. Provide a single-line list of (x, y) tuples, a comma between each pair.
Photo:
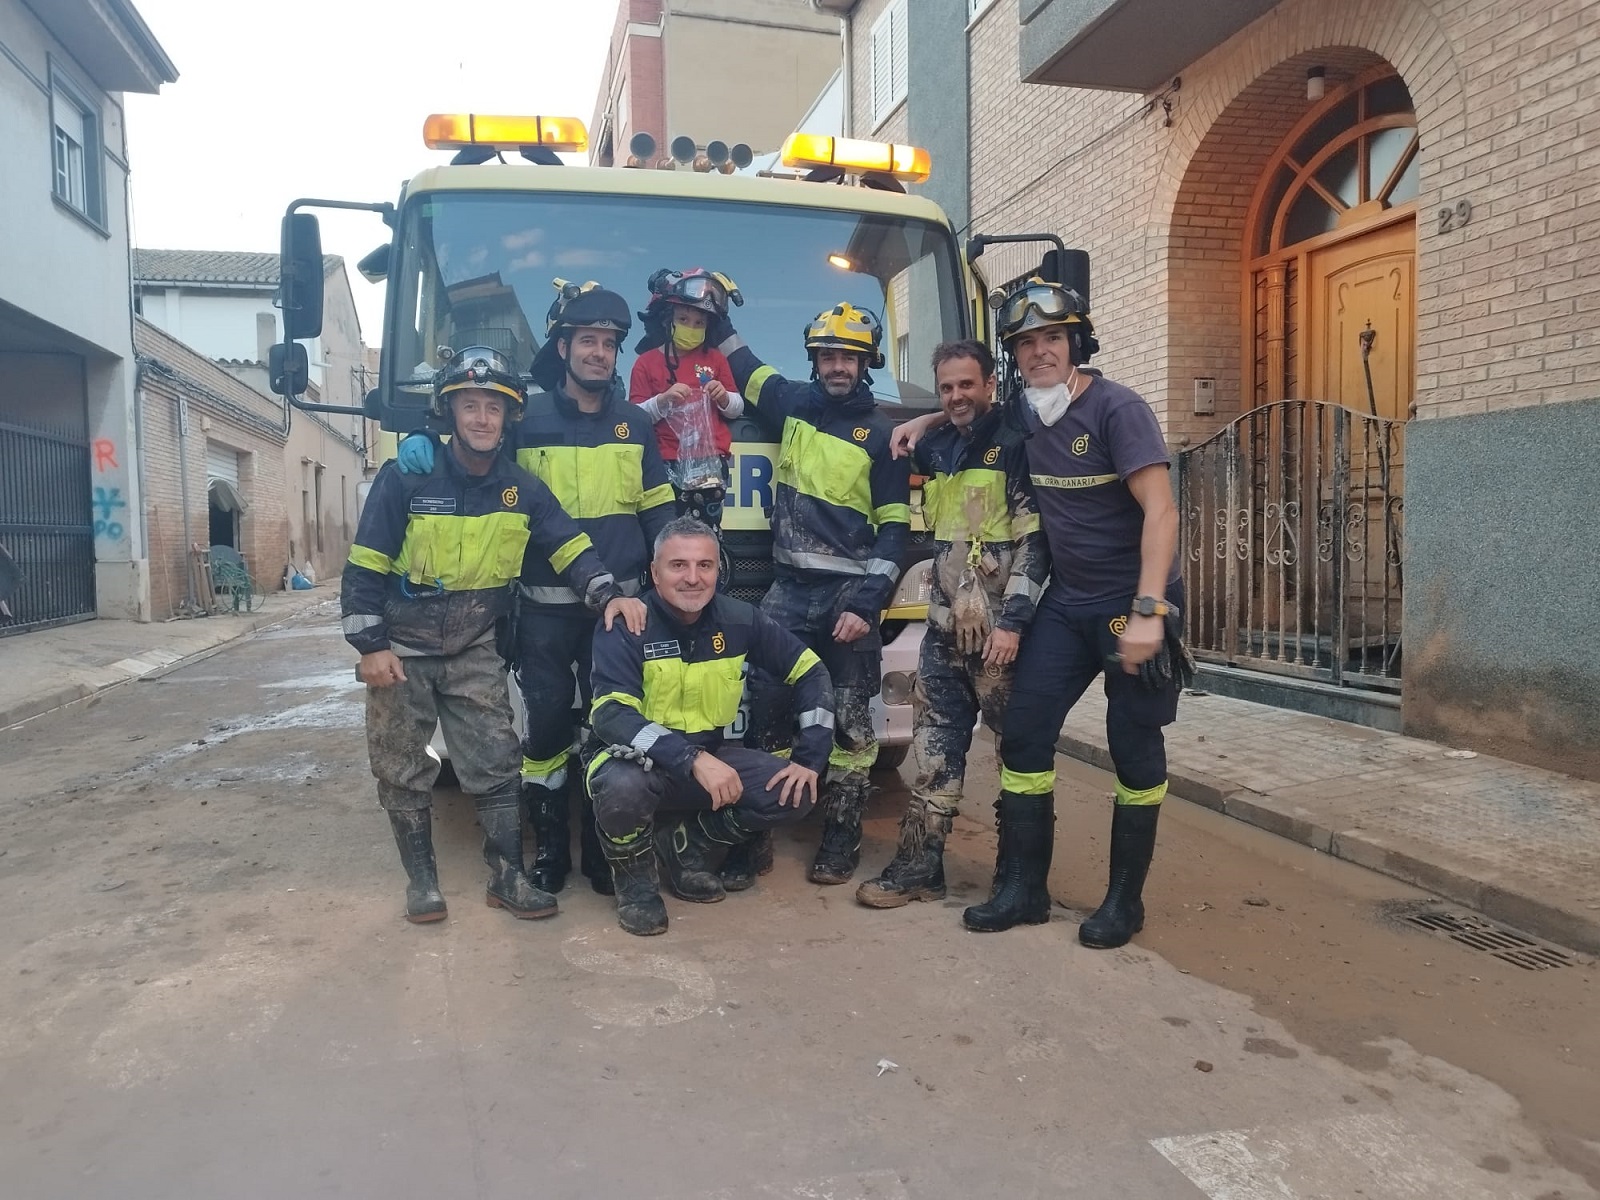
[(651, 378)]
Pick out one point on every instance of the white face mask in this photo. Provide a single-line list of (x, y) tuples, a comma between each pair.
[(1049, 403)]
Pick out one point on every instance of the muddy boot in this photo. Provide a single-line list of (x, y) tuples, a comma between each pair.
[(1133, 843), (916, 872), (687, 849), (413, 834), (1022, 865), (745, 861), (592, 859), (547, 816), (636, 882), (842, 803), (500, 814)]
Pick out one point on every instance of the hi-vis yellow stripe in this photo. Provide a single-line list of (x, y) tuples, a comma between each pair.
[(757, 380), (825, 467), (568, 551), (953, 504), (463, 553), (804, 663), (1141, 797), (362, 556), (1028, 783), (592, 481), (1073, 481)]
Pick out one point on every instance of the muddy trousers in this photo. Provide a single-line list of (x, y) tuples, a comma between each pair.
[(466, 695), (554, 650), (1067, 647), (809, 609), (952, 692), (627, 797)]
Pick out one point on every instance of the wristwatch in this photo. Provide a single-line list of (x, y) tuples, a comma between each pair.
[(1150, 606)]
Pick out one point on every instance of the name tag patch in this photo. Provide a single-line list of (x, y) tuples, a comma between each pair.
[(662, 650), (434, 506)]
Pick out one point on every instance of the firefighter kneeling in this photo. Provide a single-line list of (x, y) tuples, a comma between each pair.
[(661, 701)]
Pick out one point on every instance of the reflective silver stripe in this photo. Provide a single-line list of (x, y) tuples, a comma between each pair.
[(648, 736), (1021, 585), (816, 716), (882, 566), (554, 779), (356, 622), (565, 595), (808, 561)]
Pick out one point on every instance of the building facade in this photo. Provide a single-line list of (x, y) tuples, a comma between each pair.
[(1346, 250), (212, 452), (71, 528), (221, 304), (711, 70)]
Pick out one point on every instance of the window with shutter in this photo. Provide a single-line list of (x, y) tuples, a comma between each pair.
[(890, 60), (975, 9)]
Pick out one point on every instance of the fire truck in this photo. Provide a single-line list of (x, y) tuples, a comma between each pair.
[(474, 243)]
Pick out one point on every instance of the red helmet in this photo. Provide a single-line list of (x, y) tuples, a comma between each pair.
[(709, 291)]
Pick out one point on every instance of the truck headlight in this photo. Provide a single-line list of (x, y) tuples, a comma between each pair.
[(910, 602)]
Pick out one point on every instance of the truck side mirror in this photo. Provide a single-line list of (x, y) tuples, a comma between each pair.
[(288, 369), (300, 277), (1069, 268)]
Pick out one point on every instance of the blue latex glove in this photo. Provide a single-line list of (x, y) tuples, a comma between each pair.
[(415, 455)]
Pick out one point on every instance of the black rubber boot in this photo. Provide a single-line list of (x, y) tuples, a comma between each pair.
[(500, 814), (1022, 865), (687, 849), (413, 834), (593, 861), (1133, 844), (547, 817), (747, 860), (842, 804), (916, 872), (636, 882)]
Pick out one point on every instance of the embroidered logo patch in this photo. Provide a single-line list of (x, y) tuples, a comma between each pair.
[(860, 435), (433, 506), (1080, 444), (509, 497), (991, 456), (718, 643), (1119, 625), (662, 649), (621, 430)]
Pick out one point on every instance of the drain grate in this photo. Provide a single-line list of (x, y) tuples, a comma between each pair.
[(1514, 948)]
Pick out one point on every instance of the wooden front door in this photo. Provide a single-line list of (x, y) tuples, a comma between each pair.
[(1367, 283)]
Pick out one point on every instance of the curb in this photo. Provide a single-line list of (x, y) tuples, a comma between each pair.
[(1500, 903), (73, 693)]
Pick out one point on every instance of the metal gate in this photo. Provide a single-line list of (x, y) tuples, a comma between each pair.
[(46, 528), (1293, 543)]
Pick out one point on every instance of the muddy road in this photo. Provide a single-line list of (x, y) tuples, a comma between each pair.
[(206, 989)]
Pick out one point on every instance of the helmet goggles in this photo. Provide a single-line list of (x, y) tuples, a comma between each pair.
[(1036, 305)]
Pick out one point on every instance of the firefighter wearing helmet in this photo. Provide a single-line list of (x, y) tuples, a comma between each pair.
[(597, 453), (841, 516), (1098, 463), (423, 599)]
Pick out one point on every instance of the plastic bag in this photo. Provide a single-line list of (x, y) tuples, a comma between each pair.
[(699, 463)]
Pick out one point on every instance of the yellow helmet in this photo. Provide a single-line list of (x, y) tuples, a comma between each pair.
[(846, 327)]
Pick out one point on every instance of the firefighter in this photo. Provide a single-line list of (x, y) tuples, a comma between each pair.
[(990, 565), (1098, 463), (841, 515), (424, 595), (662, 699), (597, 453)]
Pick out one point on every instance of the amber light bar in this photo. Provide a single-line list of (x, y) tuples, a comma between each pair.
[(911, 164), (453, 131)]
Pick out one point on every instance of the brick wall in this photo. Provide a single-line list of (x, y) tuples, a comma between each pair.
[(1506, 114), (221, 410)]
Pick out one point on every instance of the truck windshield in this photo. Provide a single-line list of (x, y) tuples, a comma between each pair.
[(476, 268)]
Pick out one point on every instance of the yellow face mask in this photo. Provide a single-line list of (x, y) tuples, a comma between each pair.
[(685, 338)]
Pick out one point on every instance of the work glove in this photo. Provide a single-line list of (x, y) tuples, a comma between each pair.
[(1172, 665), (629, 754), (969, 607), (415, 455), (718, 330)]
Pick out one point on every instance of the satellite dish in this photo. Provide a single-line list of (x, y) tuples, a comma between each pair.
[(683, 148), (742, 156), (642, 145), (717, 152)]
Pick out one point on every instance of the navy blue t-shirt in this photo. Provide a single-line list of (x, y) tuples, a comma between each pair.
[(1080, 466)]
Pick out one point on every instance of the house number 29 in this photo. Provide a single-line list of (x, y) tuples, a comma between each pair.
[(1454, 216)]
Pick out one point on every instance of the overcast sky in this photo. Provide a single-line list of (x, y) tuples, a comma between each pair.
[(326, 98)]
